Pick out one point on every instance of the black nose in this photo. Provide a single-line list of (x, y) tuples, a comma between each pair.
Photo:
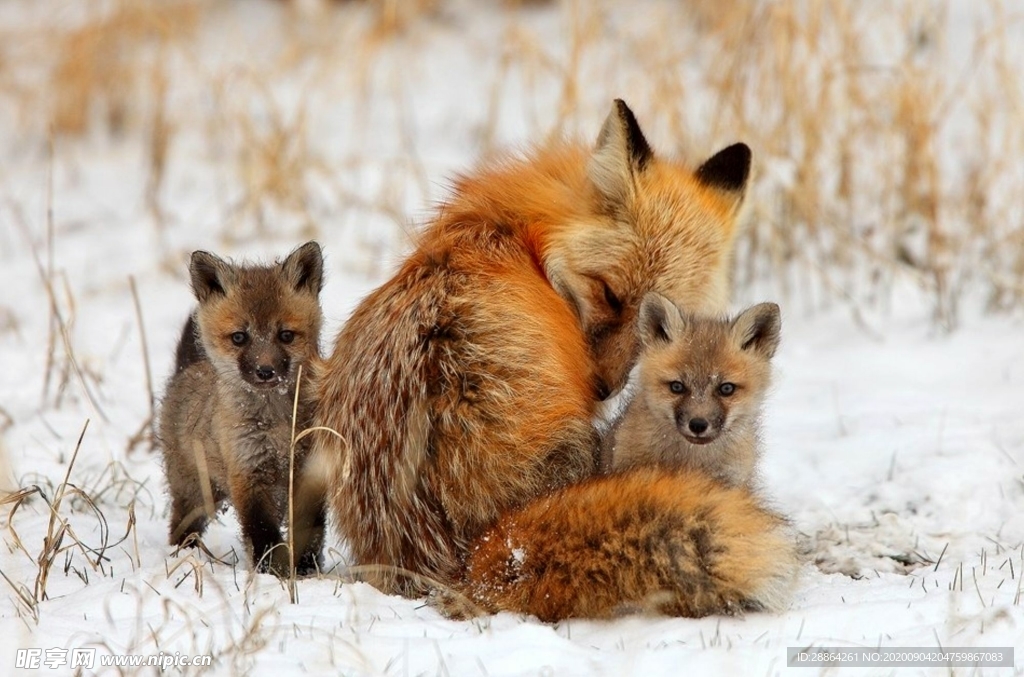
[(265, 373), (698, 425)]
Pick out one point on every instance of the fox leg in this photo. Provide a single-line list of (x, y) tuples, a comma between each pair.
[(188, 516), (194, 494), (309, 518), (311, 543), (260, 517)]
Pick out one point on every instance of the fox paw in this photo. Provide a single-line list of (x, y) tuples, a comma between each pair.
[(454, 604), (310, 564)]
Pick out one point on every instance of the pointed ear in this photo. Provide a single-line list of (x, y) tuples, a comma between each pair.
[(757, 329), (727, 172), (620, 154), (659, 320), (304, 268), (210, 275)]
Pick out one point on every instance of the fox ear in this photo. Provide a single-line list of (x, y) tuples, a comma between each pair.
[(659, 319), (620, 154), (727, 172), (757, 329), (210, 275), (304, 268)]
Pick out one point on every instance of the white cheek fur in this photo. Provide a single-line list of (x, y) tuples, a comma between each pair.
[(610, 410)]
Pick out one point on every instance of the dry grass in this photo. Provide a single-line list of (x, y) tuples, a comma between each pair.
[(395, 16), (101, 65), (885, 150), (62, 538), (886, 141), (6, 472), (81, 547), (276, 164)]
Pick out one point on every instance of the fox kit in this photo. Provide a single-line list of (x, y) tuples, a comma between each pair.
[(701, 384), (226, 424), (463, 388)]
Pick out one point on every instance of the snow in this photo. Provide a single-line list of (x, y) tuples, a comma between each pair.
[(896, 449)]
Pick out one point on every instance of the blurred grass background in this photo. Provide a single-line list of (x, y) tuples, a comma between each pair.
[(888, 136)]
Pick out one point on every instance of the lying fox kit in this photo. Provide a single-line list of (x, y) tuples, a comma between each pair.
[(700, 388), (226, 424)]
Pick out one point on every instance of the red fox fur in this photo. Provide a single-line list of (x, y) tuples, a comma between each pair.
[(673, 541), (464, 387)]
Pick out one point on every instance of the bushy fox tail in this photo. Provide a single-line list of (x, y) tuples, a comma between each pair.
[(668, 541)]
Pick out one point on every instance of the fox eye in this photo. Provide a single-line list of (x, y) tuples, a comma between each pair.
[(286, 336), (613, 301), (239, 338), (726, 389), (677, 387)]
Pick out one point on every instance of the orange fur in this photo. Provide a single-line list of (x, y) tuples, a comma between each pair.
[(652, 539), (464, 386)]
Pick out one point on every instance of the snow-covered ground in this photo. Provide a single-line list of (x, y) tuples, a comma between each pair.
[(896, 448)]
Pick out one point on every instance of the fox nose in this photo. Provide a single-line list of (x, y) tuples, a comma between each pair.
[(264, 372), (698, 425)]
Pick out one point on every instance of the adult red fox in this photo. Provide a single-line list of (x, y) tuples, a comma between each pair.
[(464, 387)]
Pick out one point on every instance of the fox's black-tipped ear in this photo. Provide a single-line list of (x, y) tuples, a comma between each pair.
[(727, 171), (757, 329), (304, 268), (620, 153), (659, 319), (210, 275)]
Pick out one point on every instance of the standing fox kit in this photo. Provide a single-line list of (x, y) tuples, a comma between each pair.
[(227, 420), (701, 385)]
